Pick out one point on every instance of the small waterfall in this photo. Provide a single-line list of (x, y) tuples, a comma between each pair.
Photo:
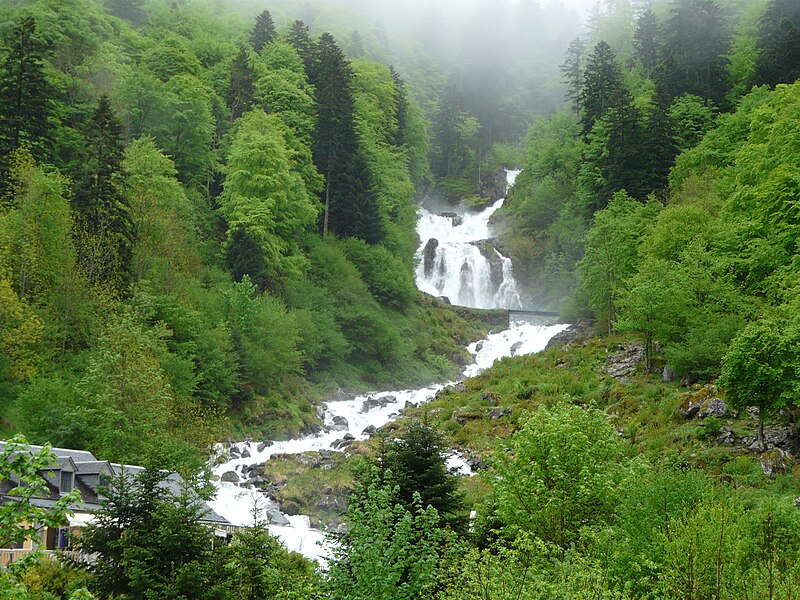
[(458, 259)]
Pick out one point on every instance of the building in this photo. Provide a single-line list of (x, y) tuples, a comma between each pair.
[(82, 471)]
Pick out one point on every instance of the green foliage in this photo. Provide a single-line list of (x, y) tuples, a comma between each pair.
[(385, 274), (388, 551), (560, 474)]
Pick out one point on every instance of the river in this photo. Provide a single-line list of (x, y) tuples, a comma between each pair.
[(462, 264)]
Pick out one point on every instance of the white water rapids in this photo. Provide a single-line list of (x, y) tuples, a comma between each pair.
[(346, 420)]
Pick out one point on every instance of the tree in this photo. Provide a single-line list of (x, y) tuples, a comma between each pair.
[(147, 541), (351, 206), (106, 244), (779, 44), (388, 551), (24, 97), (22, 470), (646, 44), (299, 38), (416, 464), (130, 10), (659, 147), (241, 89), (694, 53), (263, 32), (762, 367), (603, 87), (572, 70), (561, 474)]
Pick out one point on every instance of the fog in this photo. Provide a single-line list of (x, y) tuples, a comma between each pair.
[(499, 58)]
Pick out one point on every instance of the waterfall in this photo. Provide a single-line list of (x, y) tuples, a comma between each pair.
[(458, 259)]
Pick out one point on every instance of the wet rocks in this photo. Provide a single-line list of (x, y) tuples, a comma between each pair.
[(456, 219), (230, 477), (276, 517), (373, 402), (489, 252), (574, 334), (514, 347), (339, 424), (263, 446), (369, 430), (343, 443), (429, 256)]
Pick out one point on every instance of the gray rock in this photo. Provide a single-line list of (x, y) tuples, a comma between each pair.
[(339, 424), (460, 387), (713, 407), (796, 502), (429, 256), (497, 413), (456, 219), (444, 300), (246, 453), (775, 461), (230, 477), (276, 517), (667, 375), (726, 436), (369, 430), (264, 445), (514, 347), (622, 364)]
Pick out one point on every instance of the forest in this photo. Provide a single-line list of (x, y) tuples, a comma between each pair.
[(207, 227)]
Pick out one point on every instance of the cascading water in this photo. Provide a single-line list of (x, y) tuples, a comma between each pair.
[(464, 271), (458, 259)]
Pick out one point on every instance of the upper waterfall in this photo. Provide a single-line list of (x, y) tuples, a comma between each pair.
[(458, 258)]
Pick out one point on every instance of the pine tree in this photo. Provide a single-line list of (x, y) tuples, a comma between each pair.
[(24, 98), (299, 38), (603, 87), (572, 70), (696, 45), (646, 43), (660, 146), (263, 32), (401, 100), (351, 206), (241, 89), (245, 257), (779, 44), (417, 465), (105, 229)]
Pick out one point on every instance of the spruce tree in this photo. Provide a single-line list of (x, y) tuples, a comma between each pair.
[(105, 228), (695, 49), (779, 44), (572, 70), (299, 38), (417, 465), (241, 89), (660, 146), (401, 101), (351, 205), (24, 98), (263, 32), (646, 42), (603, 87)]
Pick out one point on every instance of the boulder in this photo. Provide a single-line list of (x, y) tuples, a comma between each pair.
[(514, 347), (456, 219), (343, 443), (497, 413), (339, 423), (230, 477), (246, 453), (623, 363), (713, 407), (796, 502), (263, 446), (703, 402), (668, 374), (429, 256), (276, 517), (369, 430), (775, 461), (574, 334)]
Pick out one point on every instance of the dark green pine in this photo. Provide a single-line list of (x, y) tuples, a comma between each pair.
[(603, 87), (263, 32), (779, 44), (241, 88)]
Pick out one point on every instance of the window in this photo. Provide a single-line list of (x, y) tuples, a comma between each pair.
[(66, 481)]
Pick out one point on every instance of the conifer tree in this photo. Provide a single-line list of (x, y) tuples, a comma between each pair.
[(401, 100), (696, 44), (779, 44), (660, 146), (299, 38), (572, 70), (130, 10), (351, 206), (24, 97), (603, 87), (105, 229), (263, 32), (241, 89), (646, 43)]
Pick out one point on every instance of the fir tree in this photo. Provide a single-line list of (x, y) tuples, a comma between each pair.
[(572, 70), (351, 207), (299, 38), (245, 257), (401, 101), (24, 97), (106, 232), (696, 44), (779, 44), (263, 32), (603, 87), (241, 89), (645, 42), (660, 146)]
